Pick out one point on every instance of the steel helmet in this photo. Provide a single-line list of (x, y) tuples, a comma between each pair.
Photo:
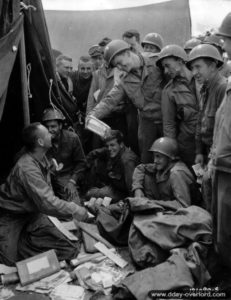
[(205, 51), (153, 39), (171, 51), (166, 146), (225, 28), (190, 44), (214, 40), (52, 114), (113, 48)]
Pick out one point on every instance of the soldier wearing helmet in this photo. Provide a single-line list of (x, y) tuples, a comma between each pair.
[(205, 62), (142, 85), (179, 103), (221, 162), (167, 178), (152, 42), (68, 154), (190, 44)]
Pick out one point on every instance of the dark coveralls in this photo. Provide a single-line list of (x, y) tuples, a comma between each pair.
[(70, 153), (81, 87), (221, 159), (112, 176), (172, 184), (26, 198), (180, 113), (144, 92)]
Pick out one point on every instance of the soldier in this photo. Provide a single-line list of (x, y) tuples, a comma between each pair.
[(67, 151), (152, 42), (190, 44), (179, 103), (142, 85), (167, 178), (218, 42), (82, 79), (112, 168), (205, 62), (132, 37), (221, 160), (96, 55), (27, 198)]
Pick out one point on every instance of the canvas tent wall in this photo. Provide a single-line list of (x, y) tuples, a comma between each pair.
[(73, 32), (16, 22)]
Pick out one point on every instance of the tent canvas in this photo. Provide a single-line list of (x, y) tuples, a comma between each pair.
[(73, 32)]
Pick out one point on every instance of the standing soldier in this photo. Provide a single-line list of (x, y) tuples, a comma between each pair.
[(190, 44), (142, 86), (179, 104), (221, 157), (205, 61), (152, 42)]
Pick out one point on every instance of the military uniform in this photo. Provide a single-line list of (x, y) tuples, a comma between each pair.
[(180, 113), (172, 184), (221, 162), (213, 92), (69, 153), (25, 201), (144, 91), (115, 173)]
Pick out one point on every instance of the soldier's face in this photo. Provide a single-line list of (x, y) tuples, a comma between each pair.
[(97, 61), (132, 42), (161, 161), (113, 148), (124, 61), (85, 69), (44, 137), (54, 128), (227, 46), (171, 66), (150, 48), (202, 71), (64, 68)]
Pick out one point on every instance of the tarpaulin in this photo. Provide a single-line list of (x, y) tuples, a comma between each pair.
[(73, 32), (8, 51)]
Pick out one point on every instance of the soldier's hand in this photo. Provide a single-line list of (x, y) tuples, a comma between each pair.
[(199, 159), (71, 191), (81, 214), (139, 193)]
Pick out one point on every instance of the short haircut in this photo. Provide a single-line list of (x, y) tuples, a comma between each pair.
[(104, 42), (85, 59), (130, 33), (114, 134), (62, 57), (30, 135)]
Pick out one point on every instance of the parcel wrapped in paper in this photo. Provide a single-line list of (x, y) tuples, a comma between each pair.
[(95, 125)]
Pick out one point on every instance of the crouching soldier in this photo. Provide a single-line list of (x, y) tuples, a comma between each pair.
[(112, 168), (167, 178), (26, 198), (68, 152)]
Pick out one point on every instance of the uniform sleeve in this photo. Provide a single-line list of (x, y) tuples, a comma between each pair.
[(168, 107), (138, 177), (79, 160), (91, 101), (42, 195), (198, 134), (109, 104), (181, 188), (129, 168)]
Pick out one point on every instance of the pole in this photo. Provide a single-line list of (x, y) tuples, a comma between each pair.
[(25, 100)]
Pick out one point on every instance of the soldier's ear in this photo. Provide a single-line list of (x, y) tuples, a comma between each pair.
[(40, 142)]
